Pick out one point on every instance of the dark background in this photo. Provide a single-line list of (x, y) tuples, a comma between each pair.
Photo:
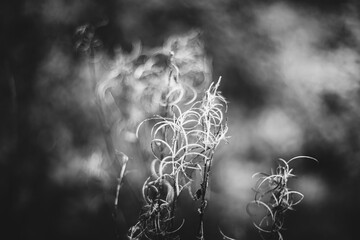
[(290, 71)]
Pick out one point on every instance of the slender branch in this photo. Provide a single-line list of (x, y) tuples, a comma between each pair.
[(113, 153), (204, 186), (121, 176)]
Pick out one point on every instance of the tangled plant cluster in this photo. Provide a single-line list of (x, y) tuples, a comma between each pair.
[(167, 81), (273, 198), (185, 131), (181, 143)]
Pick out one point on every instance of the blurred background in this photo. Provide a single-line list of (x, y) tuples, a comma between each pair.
[(290, 71)]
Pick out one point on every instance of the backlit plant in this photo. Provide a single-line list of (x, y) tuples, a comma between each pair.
[(273, 198), (183, 142)]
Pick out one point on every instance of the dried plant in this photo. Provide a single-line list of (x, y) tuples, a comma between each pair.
[(273, 198), (186, 131), (181, 143)]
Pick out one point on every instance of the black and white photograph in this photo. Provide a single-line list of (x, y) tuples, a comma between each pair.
[(180, 119)]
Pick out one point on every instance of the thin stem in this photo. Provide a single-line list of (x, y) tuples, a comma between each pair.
[(121, 176), (173, 205), (106, 130), (204, 186), (100, 112)]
